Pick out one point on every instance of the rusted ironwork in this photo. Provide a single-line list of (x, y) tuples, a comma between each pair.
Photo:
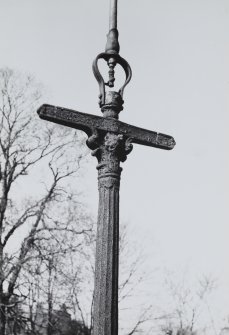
[(119, 60), (90, 123), (110, 141), (112, 45)]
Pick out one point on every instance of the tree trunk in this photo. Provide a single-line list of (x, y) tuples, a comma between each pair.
[(2, 296), (3, 311), (50, 298)]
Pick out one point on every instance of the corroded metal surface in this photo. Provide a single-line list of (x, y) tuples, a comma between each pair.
[(90, 123), (119, 60), (109, 150)]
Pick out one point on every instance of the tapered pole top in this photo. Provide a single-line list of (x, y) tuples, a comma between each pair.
[(113, 14), (112, 45)]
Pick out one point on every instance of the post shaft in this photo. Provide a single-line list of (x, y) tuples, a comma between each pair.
[(111, 150), (105, 317)]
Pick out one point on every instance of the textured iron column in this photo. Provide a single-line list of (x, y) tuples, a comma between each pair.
[(107, 247), (110, 149)]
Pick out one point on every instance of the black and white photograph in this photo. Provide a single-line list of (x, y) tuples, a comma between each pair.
[(114, 160)]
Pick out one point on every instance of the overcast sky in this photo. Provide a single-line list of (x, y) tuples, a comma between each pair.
[(175, 202)]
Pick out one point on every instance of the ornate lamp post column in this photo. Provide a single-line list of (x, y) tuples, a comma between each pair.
[(112, 148), (110, 141)]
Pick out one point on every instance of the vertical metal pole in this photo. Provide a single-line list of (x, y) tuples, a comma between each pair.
[(111, 149), (112, 45), (105, 316), (113, 14)]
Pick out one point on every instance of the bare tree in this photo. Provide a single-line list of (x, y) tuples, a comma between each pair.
[(27, 146), (53, 276), (189, 303), (64, 275)]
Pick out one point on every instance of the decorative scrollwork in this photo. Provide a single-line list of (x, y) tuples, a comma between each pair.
[(128, 145), (110, 149), (112, 141), (93, 140), (119, 60)]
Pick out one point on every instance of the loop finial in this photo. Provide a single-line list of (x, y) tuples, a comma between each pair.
[(118, 60), (112, 57)]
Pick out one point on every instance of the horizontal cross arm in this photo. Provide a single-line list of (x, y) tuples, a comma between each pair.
[(88, 123), (147, 137), (69, 118)]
